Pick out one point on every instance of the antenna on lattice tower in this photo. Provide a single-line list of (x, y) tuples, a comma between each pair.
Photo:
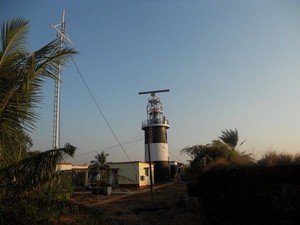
[(64, 38)]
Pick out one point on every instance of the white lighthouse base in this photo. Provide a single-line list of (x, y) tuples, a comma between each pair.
[(159, 152)]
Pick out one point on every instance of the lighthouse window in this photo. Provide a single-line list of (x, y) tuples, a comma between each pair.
[(147, 171)]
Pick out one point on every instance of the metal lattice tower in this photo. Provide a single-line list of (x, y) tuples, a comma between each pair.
[(56, 109)]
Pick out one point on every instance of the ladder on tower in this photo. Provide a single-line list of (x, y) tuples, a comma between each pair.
[(55, 115), (56, 109)]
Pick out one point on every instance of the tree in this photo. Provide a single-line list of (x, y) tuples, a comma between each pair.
[(15, 151), (21, 77), (217, 154), (231, 137), (100, 160), (32, 174), (33, 191), (22, 73), (100, 166), (202, 155)]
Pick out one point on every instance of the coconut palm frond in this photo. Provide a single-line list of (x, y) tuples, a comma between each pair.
[(21, 78), (230, 137), (22, 91), (32, 173), (13, 42), (242, 142), (49, 57), (100, 159)]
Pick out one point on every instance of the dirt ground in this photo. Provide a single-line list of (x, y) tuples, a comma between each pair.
[(170, 205)]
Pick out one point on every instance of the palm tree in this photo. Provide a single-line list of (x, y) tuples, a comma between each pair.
[(100, 161), (32, 174), (100, 167), (21, 77), (230, 137)]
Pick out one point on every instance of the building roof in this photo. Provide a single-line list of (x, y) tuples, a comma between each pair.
[(129, 162)]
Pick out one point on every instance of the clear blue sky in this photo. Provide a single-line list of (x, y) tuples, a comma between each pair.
[(228, 64)]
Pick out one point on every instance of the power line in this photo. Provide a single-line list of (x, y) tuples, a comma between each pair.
[(116, 153), (101, 112), (112, 146), (109, 147), (106, 121)]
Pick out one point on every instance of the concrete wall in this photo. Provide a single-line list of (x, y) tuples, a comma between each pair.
[(81, 170), (126, 172), (144, 179), (127, 175)]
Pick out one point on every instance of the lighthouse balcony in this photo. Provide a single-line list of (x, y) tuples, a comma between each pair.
[(155, 122)]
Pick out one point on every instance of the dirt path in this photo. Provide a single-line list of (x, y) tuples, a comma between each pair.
[(87, 199), (170, 205)]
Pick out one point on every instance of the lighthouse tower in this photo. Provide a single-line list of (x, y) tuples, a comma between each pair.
[(156, 141)]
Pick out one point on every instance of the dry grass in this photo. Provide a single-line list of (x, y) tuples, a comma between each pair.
[(225, 163), (270, 158), (273, 158)]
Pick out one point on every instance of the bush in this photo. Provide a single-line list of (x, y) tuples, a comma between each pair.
[(273, 158), (296, 159), (212, 156), (227, 164), (251, 195)]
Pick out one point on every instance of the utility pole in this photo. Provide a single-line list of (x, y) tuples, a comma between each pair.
[(150, 166), (56, 110)]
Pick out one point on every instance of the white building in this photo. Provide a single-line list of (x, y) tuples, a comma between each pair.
[(135, 173)]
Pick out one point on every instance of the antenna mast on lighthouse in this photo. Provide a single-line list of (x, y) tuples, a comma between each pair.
[(56, 110)]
